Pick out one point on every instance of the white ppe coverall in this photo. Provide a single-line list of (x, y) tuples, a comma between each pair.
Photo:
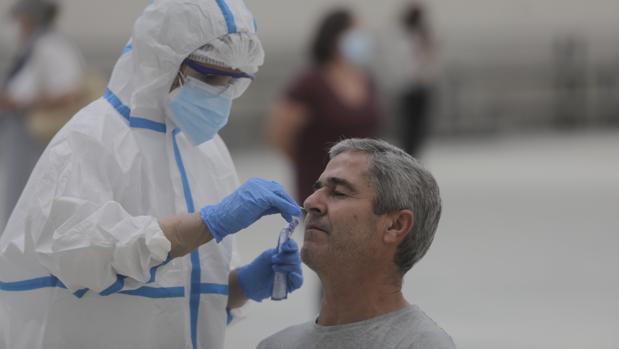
[(83, 260)]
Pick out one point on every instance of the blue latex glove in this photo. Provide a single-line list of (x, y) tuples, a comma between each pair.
[(252, 200), (256, 278)]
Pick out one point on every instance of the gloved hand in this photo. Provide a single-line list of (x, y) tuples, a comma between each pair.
[(252, 200), (256, 278)]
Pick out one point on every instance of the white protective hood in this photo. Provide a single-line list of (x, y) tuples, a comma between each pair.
[(82, 258), (167, 32)]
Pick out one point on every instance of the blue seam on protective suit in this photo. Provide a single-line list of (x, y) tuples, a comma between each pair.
[(115, 287), (127, 48), (135, 122), (153, 270), (32, 284), (228, 16), (213, 288), (80, 293), (153, 275), (117, 104), (194, 296), (194, 291), (181, 169), (145, 291), (37, 283), (119, 284), (229, 316), (157, 292)]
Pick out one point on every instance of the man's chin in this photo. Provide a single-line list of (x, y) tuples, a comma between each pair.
[(310, 254), (313, 247)]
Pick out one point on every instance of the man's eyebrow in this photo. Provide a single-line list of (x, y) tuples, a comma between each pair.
[(333, 182)]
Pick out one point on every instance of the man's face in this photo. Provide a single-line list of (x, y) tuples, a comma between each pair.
[(340, 226)]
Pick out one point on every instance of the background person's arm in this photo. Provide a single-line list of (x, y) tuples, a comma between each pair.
[(285, 122)]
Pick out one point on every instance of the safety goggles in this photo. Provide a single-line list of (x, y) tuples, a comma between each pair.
[(202, 69), (225, 82)]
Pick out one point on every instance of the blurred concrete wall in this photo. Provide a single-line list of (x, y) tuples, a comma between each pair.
[(499, 57), (467, 29)]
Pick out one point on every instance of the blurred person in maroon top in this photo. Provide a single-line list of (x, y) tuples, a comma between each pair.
[(332, 99)]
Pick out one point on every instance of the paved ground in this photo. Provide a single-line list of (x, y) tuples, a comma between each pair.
[(527, 252)]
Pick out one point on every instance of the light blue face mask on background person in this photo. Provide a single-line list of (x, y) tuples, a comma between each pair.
[(199, 110), (356, 46)]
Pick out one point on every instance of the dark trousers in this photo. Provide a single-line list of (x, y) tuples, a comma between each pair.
[(414, 105), (19, 153)]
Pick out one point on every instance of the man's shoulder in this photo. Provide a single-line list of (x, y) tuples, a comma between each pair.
[(423, 332), (287, 337), (408, 328)]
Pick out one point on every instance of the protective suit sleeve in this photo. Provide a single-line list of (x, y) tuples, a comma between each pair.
[(81, 234)]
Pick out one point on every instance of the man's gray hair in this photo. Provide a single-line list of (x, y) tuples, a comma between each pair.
[(400, 183)]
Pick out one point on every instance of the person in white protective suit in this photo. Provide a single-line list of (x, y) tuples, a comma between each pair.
[(108, 246)]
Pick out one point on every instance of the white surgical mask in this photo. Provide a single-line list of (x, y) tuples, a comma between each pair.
[(199, 110)]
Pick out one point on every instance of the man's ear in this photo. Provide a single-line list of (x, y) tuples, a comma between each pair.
[(398, 225)]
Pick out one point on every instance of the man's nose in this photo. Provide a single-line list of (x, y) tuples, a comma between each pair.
[(314, 204)]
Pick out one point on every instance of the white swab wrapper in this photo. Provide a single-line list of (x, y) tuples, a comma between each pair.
[(280, 287)]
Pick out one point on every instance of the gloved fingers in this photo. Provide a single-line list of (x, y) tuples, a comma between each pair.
[(296, 209), (286, 257), (270, 209), (290, 246), (285, 260), (286, 268), (295, 280), (277, 188), (286, 208), (275, 196), (256, 181), (281, 192), (287, 217), (264, 258), (273, 210), (268, 253), (287, 265), (256, 278)]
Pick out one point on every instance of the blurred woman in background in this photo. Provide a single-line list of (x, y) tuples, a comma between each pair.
[(418, 68), (332, 99), (44, 77)]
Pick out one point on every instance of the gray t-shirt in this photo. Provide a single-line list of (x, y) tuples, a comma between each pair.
[(408, 328)]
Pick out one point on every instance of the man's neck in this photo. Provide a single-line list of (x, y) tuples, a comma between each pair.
[(354, 299)]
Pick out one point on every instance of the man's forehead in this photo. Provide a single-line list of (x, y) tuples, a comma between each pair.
[(350, 166)]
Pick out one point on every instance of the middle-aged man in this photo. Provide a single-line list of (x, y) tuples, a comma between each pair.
[(107, 246), (371, 217)]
